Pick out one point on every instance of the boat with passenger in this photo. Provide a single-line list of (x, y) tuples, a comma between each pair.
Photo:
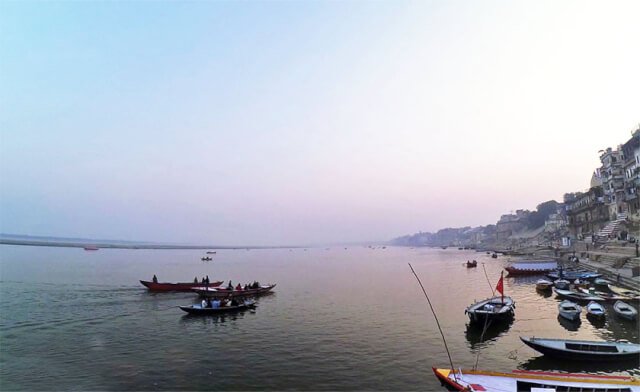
[(584, 350), (498, 308), (226, 292), (207, 308), (527, 380), (472, 264)]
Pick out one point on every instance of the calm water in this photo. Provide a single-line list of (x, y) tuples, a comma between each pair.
[(351, 319)]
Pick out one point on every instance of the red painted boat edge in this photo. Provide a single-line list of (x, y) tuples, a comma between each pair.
[(446, 380)]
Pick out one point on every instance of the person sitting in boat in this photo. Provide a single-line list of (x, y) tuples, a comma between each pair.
[(234, 302), (195, 280), (230, 286), (215, 303), (238, 287), (203, 304), (155, 278), (209, 305), (246, 286)]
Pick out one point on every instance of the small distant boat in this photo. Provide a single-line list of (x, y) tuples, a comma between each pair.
[(562, 284), (543, 284), (531, 267), (584, 350), (206, 258), (443, 247), (91, 248), (576, 295), (595, 310), (494, 255), (197, 309), (524, 380), (223, 292), (625, 310), (154, 286), (472, 264), (211, 252), (569, 310)]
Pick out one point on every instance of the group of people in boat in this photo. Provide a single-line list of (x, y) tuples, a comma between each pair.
[(217, 303), (247, 286)]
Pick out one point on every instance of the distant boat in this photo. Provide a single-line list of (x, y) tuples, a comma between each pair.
[(206, 258), (562, 284), (472, 264), (524, 380), (569, 310), (584, 350), (211, 252), (91, 248), (573, 275), (443, 247), (543, 284), (625, 310), (595, 310), (494, 255), (223, 292), (531, 267)]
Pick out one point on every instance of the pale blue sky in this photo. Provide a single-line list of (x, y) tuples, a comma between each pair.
[(304, 122)]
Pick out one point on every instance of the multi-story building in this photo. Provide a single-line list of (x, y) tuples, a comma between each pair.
[(587, 212), (612, 175), (631, 167), (510, 223)]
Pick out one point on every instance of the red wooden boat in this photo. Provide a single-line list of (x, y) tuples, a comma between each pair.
[(531, 268), (163, 286)]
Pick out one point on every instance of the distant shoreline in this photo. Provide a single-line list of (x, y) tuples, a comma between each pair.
[(105, 245)]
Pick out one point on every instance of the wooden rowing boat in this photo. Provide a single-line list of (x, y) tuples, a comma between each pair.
[(576, 295), (543, 284), (165, 286), (523, 380), (625, 310), (595, 310), (199, 310), (584, 350), (223, 292), (569, 310)]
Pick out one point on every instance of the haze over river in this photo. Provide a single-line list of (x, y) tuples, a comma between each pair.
[(340, 319)]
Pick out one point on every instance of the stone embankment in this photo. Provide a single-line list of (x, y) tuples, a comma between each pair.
[(618, 261)]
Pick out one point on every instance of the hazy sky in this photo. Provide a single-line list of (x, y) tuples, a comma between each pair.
[(305, 121)]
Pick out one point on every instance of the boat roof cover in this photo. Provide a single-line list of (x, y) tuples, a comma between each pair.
[(549, 265)]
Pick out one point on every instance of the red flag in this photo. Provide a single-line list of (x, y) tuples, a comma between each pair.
[(500, 286)]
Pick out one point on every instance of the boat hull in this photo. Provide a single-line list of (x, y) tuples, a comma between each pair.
[(579, 350), (520, 380), (496, 311), (198, 310), (625, 311), (152, 286)]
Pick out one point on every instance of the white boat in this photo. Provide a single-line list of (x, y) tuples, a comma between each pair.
[(577, 295), (561, 284), (584, 350), (543, 284), (625, 310), (569, 310), (523, 380), (595, 310)]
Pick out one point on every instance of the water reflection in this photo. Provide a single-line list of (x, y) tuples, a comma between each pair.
[(544, 293), (476, 338), (568, 324)]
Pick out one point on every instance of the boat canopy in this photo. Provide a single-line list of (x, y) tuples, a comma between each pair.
[(535, 266)]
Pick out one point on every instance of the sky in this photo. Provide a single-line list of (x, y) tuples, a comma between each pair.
[(304, 122)]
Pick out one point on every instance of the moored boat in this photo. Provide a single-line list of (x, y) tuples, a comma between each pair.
[(584, 350), (523, 380), (595, 310), (165, 286), (496, 308), (531, 267), (573, 275), (630, 294), (198, 309), (576, 295), (569, 310), (472, 264), (225, 292), (543, 284), (625, 310), (562, 284), (91, 248)]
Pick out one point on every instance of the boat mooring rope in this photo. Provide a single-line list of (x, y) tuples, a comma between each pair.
[(437, 322)]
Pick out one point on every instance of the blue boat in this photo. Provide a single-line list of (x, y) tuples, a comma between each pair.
[(573, 275)]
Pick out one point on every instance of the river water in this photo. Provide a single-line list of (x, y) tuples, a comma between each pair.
[(340, 319)]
